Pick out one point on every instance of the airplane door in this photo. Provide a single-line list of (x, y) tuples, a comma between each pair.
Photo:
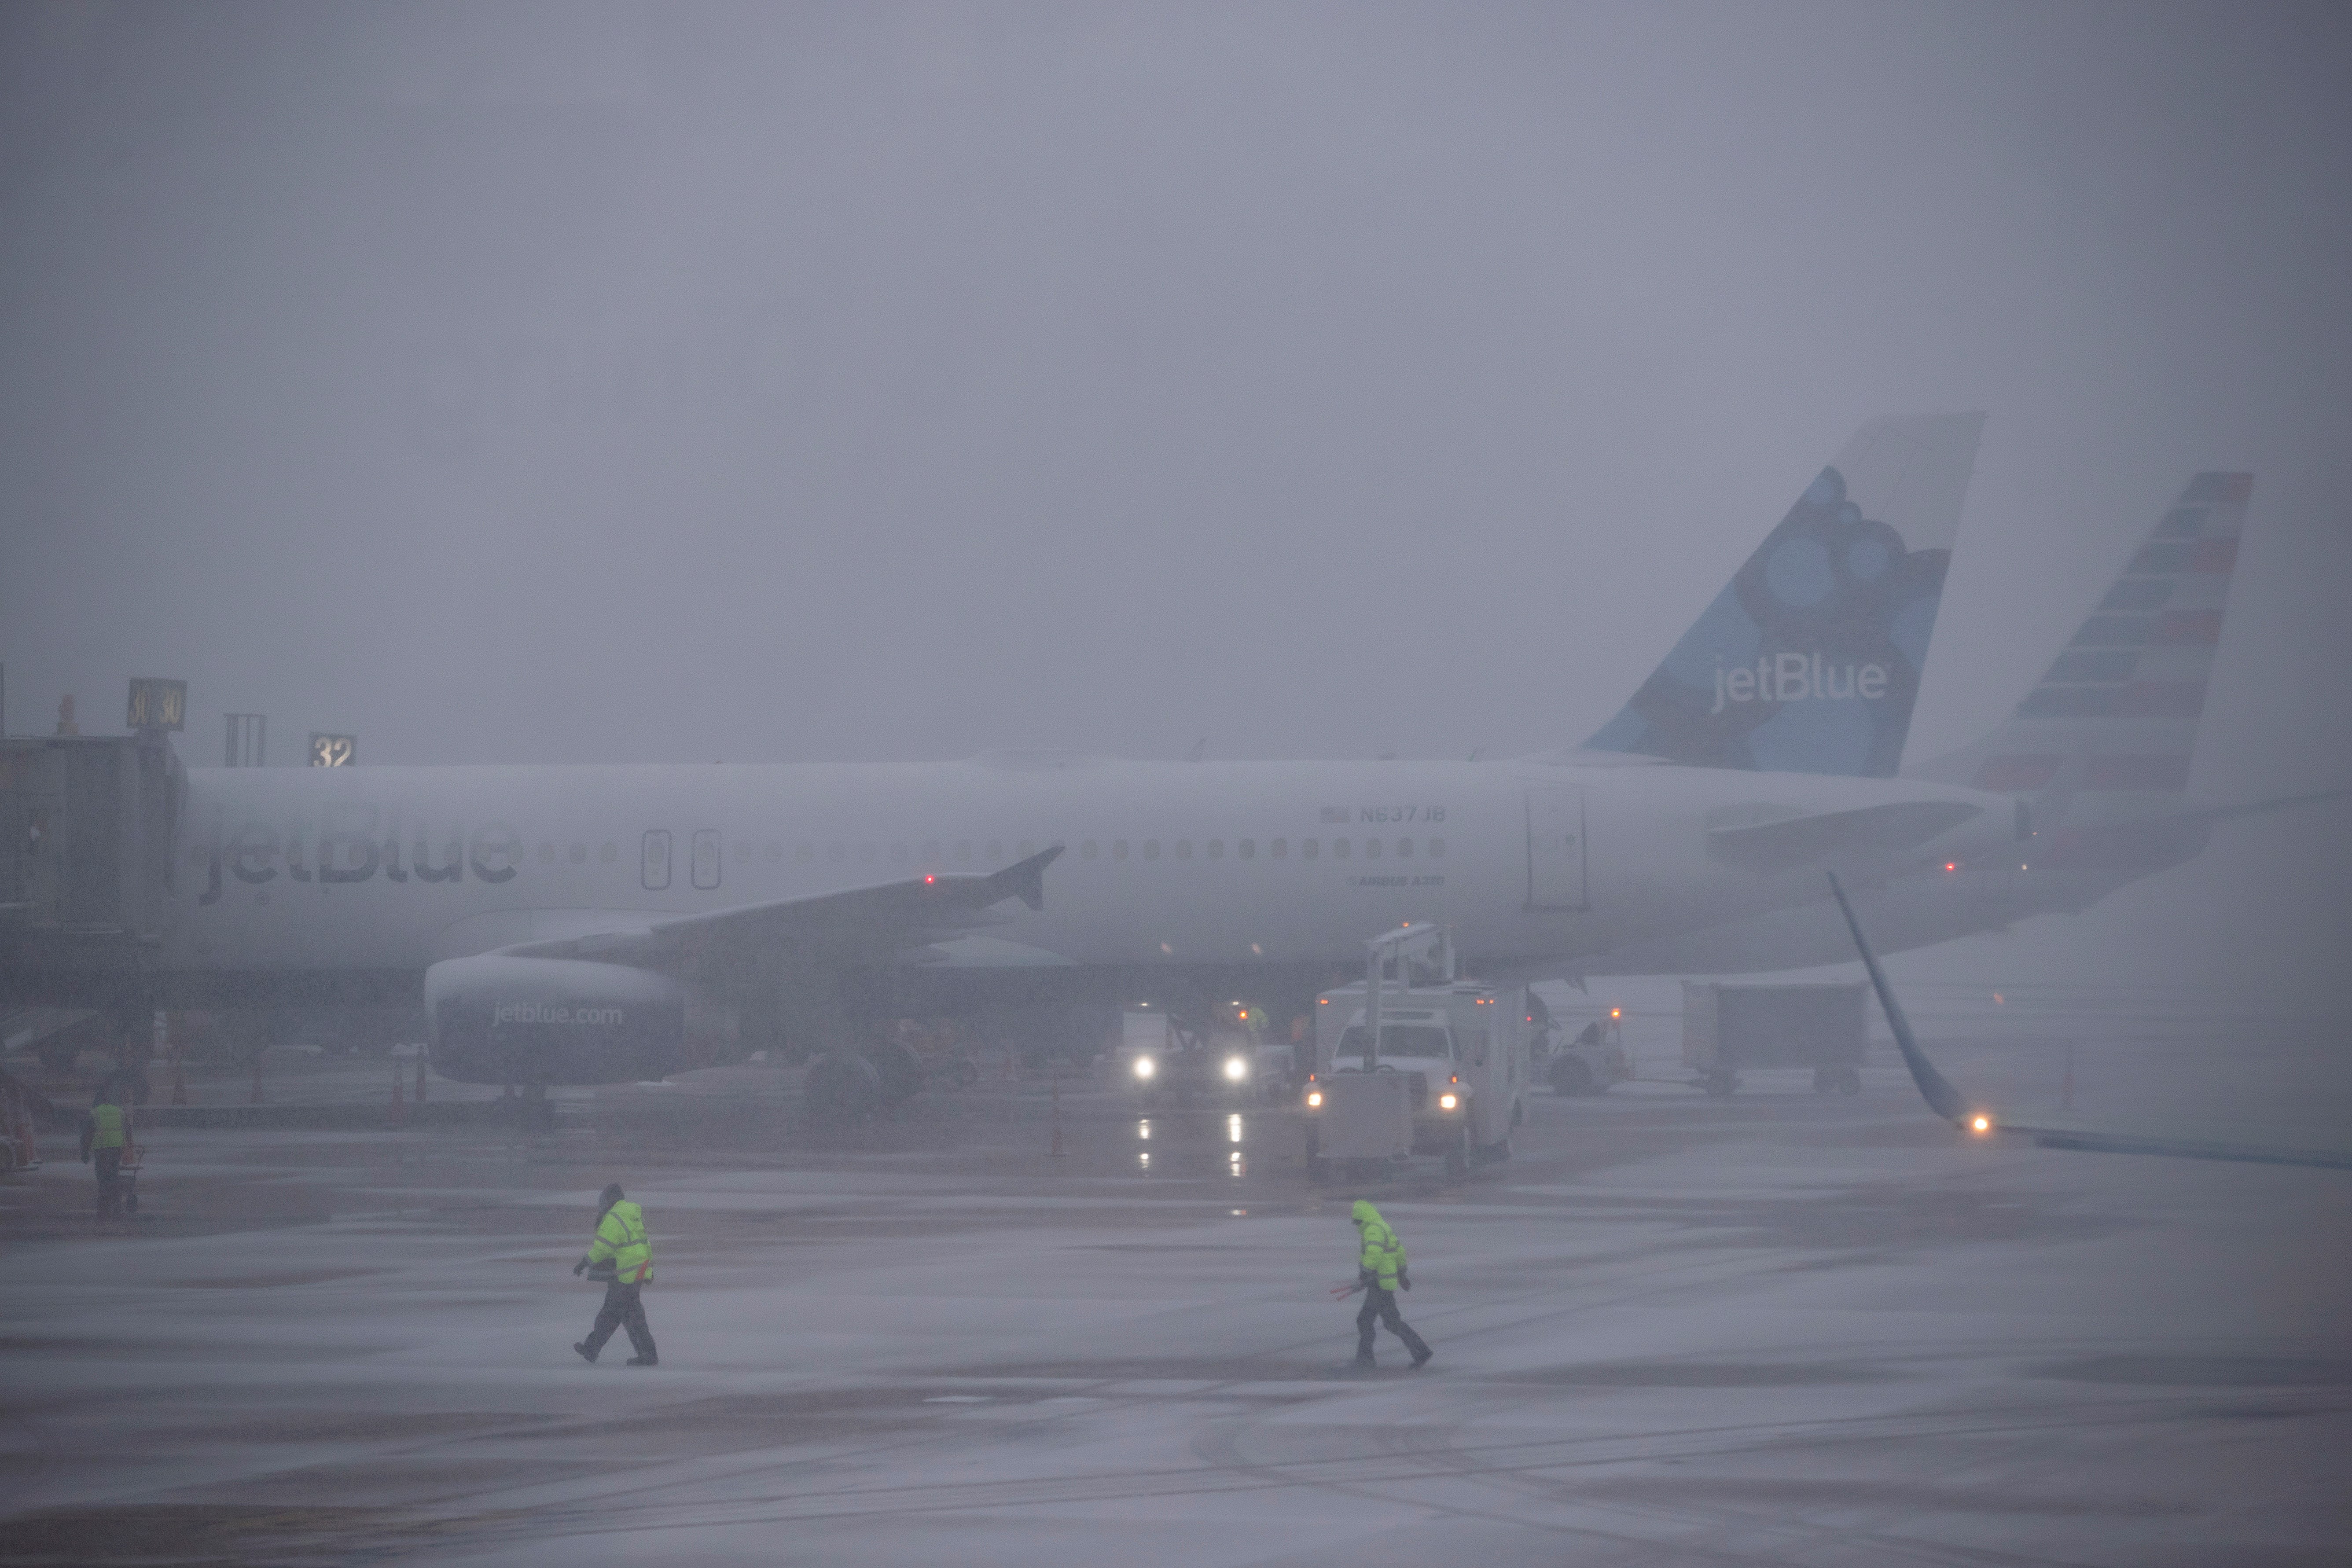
[(1556, 847)]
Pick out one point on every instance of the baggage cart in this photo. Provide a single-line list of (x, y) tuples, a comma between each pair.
[(1729, 1029)]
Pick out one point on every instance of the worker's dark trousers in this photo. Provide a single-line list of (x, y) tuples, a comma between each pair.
[(1380, 1307), (622, 1309), (109, 1179)]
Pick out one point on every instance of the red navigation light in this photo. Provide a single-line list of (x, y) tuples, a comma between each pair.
[(928, 878), (1951, 865)]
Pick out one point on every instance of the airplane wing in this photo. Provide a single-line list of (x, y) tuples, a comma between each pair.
[(873, 922), (1953, 1106), (2264, 807)]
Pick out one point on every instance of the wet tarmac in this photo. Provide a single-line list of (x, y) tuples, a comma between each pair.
[(1776, 1328)]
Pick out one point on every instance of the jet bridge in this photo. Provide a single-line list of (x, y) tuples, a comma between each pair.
[(87, 829)]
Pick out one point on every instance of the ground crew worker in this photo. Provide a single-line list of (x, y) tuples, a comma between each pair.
[(623, 1257), (1381, 1270), (106, 1133)]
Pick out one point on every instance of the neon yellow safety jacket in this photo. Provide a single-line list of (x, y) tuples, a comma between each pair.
[(1384, 1254), (107, 1127), (621, 1236)]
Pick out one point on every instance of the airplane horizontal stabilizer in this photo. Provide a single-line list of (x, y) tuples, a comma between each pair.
[(2264, 807), (1801, 841)]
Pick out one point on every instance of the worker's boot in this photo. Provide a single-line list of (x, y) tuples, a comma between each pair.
[(1418, 1346), (643, 1360), (1363, 1361), (585, 1353)]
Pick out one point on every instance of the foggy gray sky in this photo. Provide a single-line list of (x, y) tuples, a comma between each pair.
[(512, 382)]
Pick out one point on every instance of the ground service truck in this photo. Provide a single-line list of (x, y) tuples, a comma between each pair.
[(1447, 1074)]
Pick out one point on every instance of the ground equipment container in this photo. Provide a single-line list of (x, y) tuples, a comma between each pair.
[(1728, 1029)]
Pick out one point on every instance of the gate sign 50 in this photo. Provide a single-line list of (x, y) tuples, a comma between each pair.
[(333, 751)]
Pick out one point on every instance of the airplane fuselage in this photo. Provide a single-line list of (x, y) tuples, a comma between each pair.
[(1170, 864)]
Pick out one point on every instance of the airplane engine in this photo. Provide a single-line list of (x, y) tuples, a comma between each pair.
[(499, 1019)]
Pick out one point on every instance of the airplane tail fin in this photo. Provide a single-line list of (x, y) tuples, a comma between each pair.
[(1810, 659), (2105, 740)]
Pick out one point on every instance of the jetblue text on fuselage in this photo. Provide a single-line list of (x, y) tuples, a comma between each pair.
[(552, 1013), (1797, 677), (351, 841)]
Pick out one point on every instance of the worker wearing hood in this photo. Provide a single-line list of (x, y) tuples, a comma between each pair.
[(1381, 1271)]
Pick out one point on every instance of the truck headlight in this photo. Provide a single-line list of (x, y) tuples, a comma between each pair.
[(1314, 1099), (1145, 1066), (1236, 1070), (1448, 1101)]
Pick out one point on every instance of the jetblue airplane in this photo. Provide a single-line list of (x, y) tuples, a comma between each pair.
[(2093, 766), (583, 924)]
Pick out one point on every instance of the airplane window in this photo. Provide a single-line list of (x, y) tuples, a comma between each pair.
[(996, 849), (579, 854), (705, 857), (1216, 848), (608, 852), (1404, 847), (836, 850), (963, 848), (1184, 850), (931, 848), (1119, 849), (865, 851), (656, 870), (898, 853), (1339, 847), (1086, 850), (1278, 848), (1306, 847), (1372, 848), (1246, 848), (1436, 847), (804, 852), (547, 854), (1152, 849)]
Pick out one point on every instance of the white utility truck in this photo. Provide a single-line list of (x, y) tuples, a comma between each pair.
[(1402, 1069)]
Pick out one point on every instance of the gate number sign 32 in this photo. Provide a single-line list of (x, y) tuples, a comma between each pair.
[(333, 751)]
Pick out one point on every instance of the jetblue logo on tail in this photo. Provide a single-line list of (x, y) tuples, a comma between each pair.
[(1794, 678), (1807, 661)]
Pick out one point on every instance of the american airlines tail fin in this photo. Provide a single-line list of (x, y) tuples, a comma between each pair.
[(1810, 659), (2105, 740)]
